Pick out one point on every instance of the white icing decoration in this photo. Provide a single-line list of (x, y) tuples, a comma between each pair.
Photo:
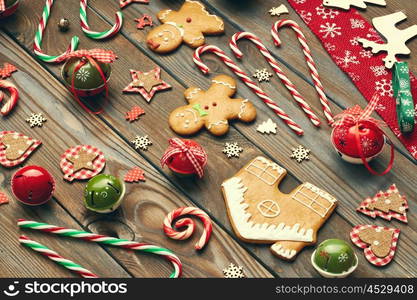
[(376, 243), (164, 15), (196, 39), (268, 208), (261, 171), (181, 30), (218, 123), (166, 40), (224, 83), (192, 93), (242, 108), (319, 193), (281, 251), (221, 25), (234, 191)]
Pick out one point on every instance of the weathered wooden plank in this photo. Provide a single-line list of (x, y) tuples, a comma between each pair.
[(145, 204), (222, 165)]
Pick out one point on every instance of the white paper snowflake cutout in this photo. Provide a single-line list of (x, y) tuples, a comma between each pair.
[(267, 127), (36, 120), (233, 272), (232, 150), (384, 88), (300, 153), (262, 75), (141, 142), (330, 30)]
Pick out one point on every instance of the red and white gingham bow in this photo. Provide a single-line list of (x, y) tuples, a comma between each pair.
[(104, 56), (2, 6), (197, 156), (354, 115), (7, 70)]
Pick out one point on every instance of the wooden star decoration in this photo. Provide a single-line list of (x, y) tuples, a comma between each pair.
[(83, 160), (124, 3), (146, 83)]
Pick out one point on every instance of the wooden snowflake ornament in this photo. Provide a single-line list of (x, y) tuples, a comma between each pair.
[(141, 142), (345, 4), (300, 153), (232, 150), (36, 120), (396, 38), (233, 271)]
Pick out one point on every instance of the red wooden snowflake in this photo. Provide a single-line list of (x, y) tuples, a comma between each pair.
[(146, 20), (134, 113), (135, 175)]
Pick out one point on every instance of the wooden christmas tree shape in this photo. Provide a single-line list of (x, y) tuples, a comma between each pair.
[(394, 202), (345, 4), (396, 38)]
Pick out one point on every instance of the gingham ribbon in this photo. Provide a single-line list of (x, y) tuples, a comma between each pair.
[(103, 56), (2, 6), (197, 157), (354, 115), (7, 69)]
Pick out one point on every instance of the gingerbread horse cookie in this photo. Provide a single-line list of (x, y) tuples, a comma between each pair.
[(212, 108), (260, 213), (188, 25)]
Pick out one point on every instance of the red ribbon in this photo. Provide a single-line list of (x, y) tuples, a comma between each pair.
[(196, 156), (353, 117), (93, 56)]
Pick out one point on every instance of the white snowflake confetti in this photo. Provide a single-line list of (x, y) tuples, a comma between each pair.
[(262, 75), (379, 70), (356, 23), (83, 74), (330, 47), (300, 153), (384, 88), (277, 11), (366, 53), (232, 150), (267, 127), (343, 257), (330, 30), (36, 120), (141, 142), (325, 12), (233, 272), (347, 59), (306, 16)]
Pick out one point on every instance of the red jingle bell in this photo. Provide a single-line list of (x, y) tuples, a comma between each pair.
[(185, 157), (364, 139), (33, 185)]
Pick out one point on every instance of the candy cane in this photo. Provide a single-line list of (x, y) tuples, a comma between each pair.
[(94, 34), (106, 240), (37, 47), (310, 62), (189, 224), (247, 80), (274, 64), (54, 256), (14, 97)]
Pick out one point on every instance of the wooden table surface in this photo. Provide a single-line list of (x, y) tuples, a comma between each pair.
[(146, 204)]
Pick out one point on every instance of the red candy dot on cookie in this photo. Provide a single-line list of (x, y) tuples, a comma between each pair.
[(189, 20), (214, 104), (206, 107)]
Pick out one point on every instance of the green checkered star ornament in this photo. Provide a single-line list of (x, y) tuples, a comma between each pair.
[(104, 193), (334, 258)]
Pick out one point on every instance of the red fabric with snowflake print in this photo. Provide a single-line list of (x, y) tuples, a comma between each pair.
[(338, 31)]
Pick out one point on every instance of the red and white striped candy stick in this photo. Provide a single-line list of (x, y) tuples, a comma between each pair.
[(95, 34), (310, 62), (54, 256), (189, 223), (106, 240), (247, 80), (274, 64), (14, 96)]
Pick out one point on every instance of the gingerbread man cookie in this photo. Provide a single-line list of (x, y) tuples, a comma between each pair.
[(212, 108), (187, 25), (260, 213)]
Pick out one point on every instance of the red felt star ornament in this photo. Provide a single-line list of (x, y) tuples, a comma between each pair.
[(124, 3), (3, 198), (146, 20), (135, 175), (146, 83), (134, 113)]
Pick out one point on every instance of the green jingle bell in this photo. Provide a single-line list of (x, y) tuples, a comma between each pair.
[(87, 78), (104, 193), (334, 258)]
